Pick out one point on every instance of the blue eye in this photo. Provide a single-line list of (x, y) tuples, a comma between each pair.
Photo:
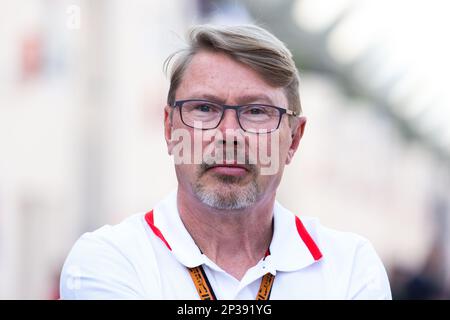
[(204, 108), (256, 111)]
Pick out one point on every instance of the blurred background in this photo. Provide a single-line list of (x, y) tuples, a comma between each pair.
[(82, 93)]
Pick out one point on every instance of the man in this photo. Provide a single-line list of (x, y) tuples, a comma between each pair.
[(232, 122)]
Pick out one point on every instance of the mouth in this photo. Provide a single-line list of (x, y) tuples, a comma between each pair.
[(229, 169)]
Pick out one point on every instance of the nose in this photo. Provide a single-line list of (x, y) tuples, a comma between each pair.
[(229, 121)]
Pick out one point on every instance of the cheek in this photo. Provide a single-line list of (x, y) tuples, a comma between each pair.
[(284, 149), (186, 173), (285, 143), (279, 145)]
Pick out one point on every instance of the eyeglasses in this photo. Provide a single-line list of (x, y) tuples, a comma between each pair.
[(255, 117)]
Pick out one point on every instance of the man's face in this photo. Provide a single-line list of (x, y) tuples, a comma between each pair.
[(230, 182)]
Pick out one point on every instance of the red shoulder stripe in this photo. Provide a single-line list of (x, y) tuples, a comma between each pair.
[(149, 219), (315, 252)]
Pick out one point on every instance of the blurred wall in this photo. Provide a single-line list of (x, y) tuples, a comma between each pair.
[(81, 144)]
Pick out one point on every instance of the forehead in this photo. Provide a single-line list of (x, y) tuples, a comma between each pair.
[(217, 74)]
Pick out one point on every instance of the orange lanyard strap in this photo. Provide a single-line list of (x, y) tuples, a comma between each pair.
[(266, 287), (201, 283), (206, 292)]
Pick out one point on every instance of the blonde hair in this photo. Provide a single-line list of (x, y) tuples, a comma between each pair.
[(249, 44)]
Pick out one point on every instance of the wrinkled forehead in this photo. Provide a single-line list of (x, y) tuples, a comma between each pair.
[(217, 75)]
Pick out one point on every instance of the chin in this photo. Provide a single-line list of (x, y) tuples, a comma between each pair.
[(227, 196)]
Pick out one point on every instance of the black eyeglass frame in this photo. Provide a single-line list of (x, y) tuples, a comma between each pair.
[(179, 104)]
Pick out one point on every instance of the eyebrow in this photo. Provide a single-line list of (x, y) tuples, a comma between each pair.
[(244, 99)]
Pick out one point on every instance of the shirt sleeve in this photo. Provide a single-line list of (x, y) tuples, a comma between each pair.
[(96, 269), (369, 280)]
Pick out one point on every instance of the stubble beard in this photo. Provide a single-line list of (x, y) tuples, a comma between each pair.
[(229, 193)]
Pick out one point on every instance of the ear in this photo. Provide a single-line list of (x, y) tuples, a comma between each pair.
[(168, 128), (297, 134)]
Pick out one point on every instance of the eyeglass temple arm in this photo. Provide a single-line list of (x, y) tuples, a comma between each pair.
[(291, 112)]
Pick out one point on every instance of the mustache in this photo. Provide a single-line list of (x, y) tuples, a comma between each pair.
[(230, 157)]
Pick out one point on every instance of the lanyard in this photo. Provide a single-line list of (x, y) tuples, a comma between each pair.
[(206, 292)]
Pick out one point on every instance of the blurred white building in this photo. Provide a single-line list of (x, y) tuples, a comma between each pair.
[(81, 98)]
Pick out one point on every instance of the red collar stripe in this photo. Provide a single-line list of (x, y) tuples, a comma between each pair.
[(309, 242), (315, 252), (149, 219)]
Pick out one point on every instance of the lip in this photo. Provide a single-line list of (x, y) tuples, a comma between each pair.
[(229, 169)]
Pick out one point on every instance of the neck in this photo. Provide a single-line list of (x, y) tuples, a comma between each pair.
[(234, 239)]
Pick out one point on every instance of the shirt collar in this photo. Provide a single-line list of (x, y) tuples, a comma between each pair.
[(179, 241), (292, 246)]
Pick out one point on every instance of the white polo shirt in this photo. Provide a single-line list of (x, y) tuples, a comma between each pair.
[(147, 255)]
